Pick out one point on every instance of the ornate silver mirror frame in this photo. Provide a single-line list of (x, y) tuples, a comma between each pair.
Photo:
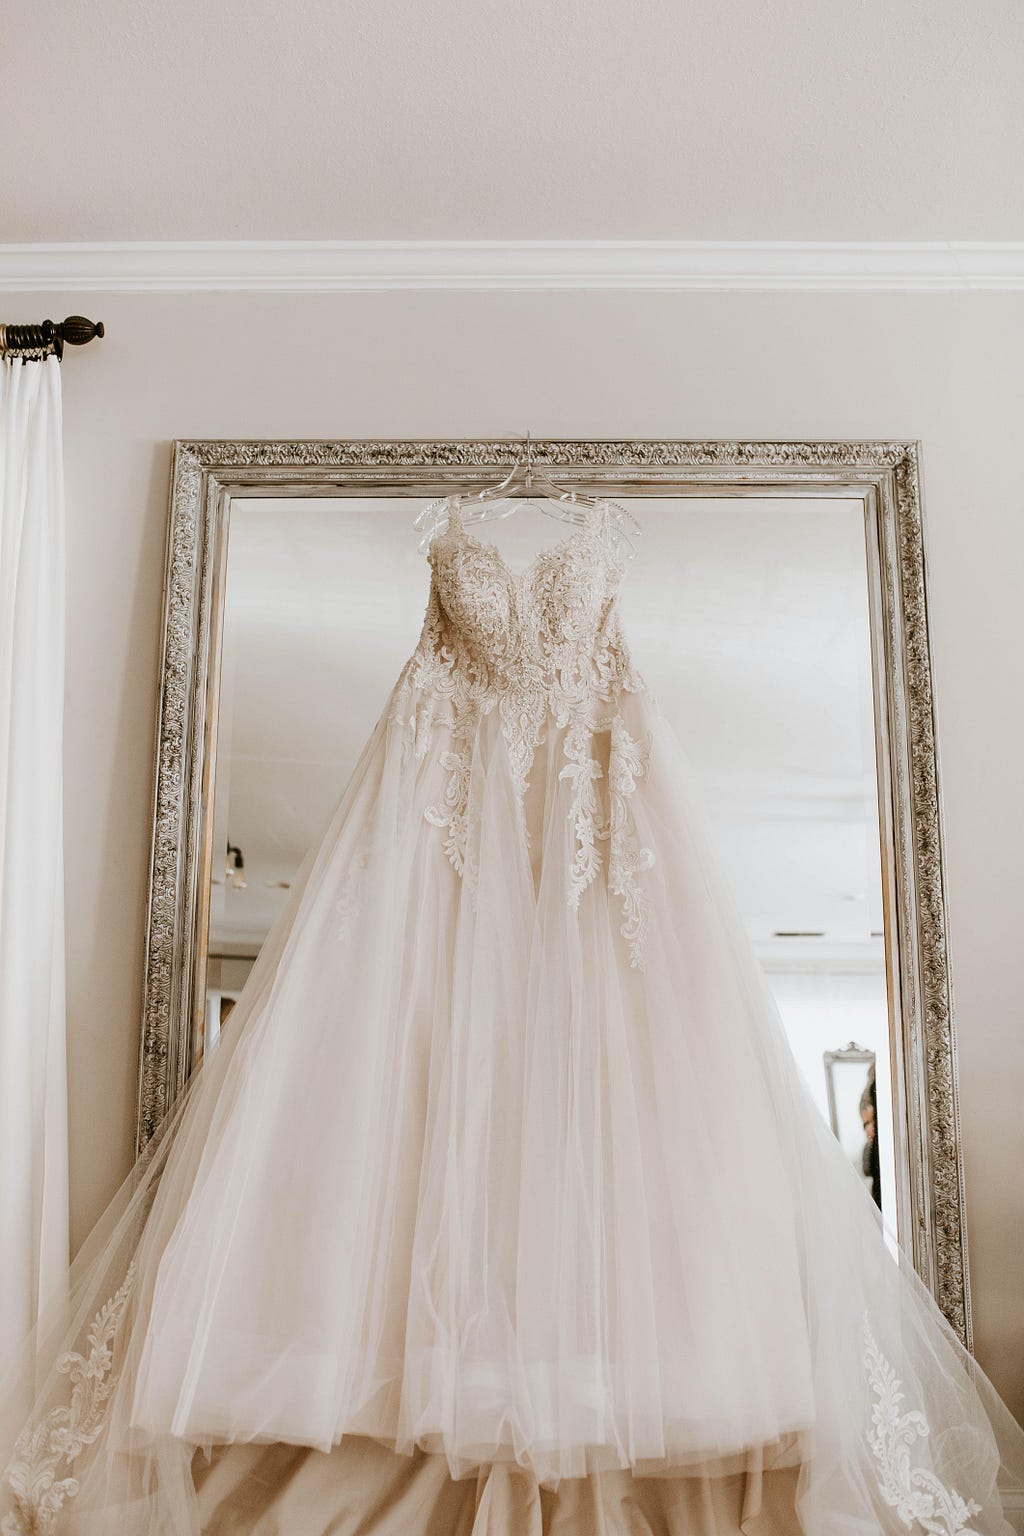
[(884, 475)]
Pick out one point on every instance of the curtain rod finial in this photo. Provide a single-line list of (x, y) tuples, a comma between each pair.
[(77, 330)]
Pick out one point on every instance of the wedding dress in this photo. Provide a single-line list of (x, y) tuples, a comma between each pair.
[(501, 1207)]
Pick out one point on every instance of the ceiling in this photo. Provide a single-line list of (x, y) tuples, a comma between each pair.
[(551, 119)]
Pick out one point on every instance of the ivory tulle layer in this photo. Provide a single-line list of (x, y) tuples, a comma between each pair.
[(525, 1202), (465, 1181)]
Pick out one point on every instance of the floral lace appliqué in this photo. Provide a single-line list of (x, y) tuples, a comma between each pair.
[(627, 764), (626, 858), (539, 647), (64, 1432), (915, 1493)]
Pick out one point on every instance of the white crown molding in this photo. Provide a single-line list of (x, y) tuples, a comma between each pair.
[(326, 266)]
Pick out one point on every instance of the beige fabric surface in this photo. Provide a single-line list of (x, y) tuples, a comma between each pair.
[(362, 1488)]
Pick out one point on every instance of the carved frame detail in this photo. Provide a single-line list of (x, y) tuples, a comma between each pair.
[(885, 474)]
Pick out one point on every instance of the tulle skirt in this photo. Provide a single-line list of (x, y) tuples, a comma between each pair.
[(470, 1215)]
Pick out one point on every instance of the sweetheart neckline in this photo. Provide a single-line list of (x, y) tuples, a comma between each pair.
[(519, 577), (528, 570)]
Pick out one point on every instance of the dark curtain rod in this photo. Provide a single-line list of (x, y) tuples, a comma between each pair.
[(48, 339)]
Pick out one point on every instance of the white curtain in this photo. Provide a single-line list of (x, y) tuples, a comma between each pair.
[(33, 1056)]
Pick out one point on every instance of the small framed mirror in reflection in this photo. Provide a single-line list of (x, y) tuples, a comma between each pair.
[(851, 1085)]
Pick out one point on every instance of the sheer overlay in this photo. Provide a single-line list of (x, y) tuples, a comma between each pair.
[(501, 1208)]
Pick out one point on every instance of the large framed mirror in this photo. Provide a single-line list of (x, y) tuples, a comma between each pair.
[(777, 608)]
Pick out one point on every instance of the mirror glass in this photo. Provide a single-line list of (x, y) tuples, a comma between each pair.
[(748, 617)]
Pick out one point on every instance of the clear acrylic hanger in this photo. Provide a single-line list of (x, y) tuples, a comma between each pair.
[(526, 485)]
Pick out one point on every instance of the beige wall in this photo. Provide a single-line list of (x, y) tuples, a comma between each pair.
[(945, 369)]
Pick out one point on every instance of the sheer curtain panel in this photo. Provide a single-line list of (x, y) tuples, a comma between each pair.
[(33, 1056)]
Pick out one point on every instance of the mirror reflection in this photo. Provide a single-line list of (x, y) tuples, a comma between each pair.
[(748, 617)]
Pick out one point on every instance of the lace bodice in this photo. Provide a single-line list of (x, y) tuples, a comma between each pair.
[(554, 628), (539, 646), (545, 641)]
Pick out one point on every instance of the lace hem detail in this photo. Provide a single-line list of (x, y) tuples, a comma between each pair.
[(65, 1431), (915, 1493)]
